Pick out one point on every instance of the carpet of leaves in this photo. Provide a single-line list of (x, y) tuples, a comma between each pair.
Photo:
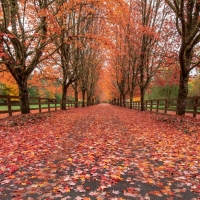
[(99, 152)]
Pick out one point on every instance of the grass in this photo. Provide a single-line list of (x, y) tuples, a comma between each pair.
[(163, 107), (31, 106)]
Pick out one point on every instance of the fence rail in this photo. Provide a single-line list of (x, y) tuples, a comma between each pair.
[(10, 104), (165, 105)]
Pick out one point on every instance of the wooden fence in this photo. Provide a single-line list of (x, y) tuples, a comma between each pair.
[(165, 105), (10, 104)]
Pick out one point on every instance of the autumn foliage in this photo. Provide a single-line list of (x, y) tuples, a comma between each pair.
[(74, 44)]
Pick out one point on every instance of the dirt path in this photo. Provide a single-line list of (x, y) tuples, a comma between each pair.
[(99, 152)]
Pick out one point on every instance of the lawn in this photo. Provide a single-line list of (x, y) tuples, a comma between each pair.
[(161, 107), (31, 106)]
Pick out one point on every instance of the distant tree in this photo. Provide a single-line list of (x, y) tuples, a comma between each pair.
[(194, 89), (162, 92)]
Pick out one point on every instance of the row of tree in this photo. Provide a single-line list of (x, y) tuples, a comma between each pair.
[(95, 46), (56, 38), (153, 38)]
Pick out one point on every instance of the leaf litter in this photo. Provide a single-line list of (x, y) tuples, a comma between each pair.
[(99, 152)]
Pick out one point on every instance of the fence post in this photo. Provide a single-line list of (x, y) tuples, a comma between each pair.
[(166, 105), (48, 104), (146, 105), (195, 107), (9, 105), (39, 102), (55, 104), (157, 106), (151, 106), (68, 106)]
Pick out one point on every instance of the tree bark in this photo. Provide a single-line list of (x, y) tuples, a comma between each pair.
[(83, 98), (23, 95), (64, 97), (124, 100), (76, 95), (120, 100), (182, 93), (76, 99), (131, 100), (88, 101), (185, 59), (142, 93)]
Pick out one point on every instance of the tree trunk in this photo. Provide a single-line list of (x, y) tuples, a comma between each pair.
[(64, 97), (76, 99), (185, 59), (83, 98), (120, 100), (131, 101), (182, 93), (115, 102), (23, 95), (142, 93), (76, 95), (124, 100), (88, 101)]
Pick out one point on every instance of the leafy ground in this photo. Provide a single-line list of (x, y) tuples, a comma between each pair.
[(99, 152)]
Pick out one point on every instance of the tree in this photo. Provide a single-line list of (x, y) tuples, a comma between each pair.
[(120, 60), (153, 15), (165, 82), (90, 57), (92, 82), (137, 34), (195, 87), (187, 22), (23, 41), (108, 85), (91, 71), (133, 57), (70, 18), (62, 41)]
